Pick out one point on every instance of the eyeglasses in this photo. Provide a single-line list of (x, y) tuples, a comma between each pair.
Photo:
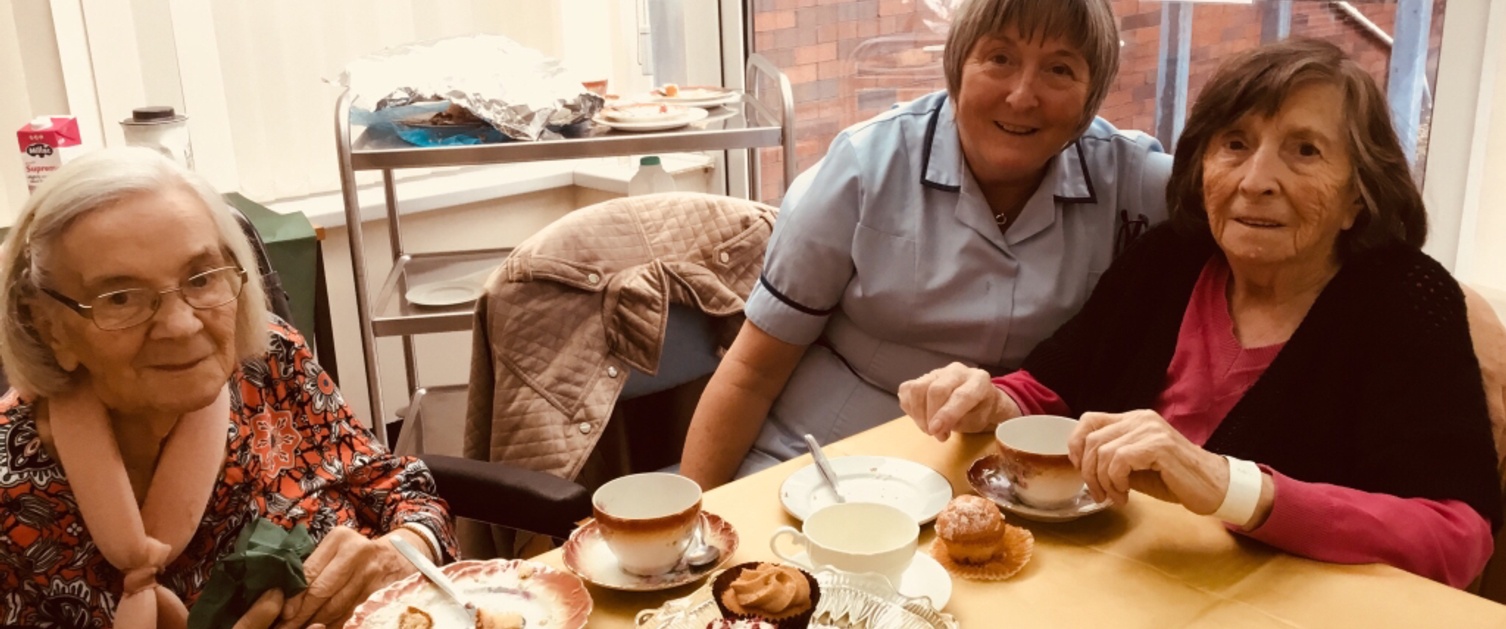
[(121, 309)]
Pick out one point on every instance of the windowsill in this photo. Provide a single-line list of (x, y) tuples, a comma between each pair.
[(454, 187)]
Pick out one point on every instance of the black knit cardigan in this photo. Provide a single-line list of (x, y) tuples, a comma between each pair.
[(1378, 389)]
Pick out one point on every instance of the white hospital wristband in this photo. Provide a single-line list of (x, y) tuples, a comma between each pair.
[(1243, 494)]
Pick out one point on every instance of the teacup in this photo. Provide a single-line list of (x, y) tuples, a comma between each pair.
[(1034, 449), (647, 520), (856, 537)]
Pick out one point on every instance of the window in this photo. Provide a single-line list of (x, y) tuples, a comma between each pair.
[(851, 59)]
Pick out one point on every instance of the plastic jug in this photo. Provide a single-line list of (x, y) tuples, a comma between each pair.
[(651, 178)]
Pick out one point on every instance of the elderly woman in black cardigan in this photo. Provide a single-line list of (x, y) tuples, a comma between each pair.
[(1281, 355)]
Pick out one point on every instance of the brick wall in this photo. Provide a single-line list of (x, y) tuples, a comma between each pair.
[(848, 60)]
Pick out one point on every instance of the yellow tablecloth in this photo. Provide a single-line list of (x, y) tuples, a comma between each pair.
[(1145, 564)]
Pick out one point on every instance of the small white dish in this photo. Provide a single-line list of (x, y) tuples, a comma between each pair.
[(986, 475), (447, 293), (726, 98), (907, 485), (925, 577), (692, 114), (587, 556)]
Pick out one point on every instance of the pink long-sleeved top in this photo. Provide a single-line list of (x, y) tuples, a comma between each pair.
[(1444, 540)]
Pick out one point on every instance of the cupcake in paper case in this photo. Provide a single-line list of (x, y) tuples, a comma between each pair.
[(1013, 552), (748, 623), (781, 595)]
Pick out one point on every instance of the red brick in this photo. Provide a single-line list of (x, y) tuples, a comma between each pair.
[(827, 33), (814, 54), (802, 73), (894, 7), (833, 69), (847, 30)]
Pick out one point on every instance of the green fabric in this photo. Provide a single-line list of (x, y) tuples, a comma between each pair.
[(266, 556), (292, 248)]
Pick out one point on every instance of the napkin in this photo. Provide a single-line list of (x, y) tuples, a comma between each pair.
[(266, 556)]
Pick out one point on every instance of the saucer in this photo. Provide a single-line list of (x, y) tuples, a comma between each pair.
[(906, 485), (925, 577), (986, 475), (587, 556)]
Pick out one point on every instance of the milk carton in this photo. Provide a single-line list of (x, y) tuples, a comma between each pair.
[(46, 144)]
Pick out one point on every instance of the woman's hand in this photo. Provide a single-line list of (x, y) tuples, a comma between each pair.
[(1139, 450), (955, 398), (343, 571), (263, 612)]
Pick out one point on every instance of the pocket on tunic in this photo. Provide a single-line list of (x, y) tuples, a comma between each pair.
[(886, 284)]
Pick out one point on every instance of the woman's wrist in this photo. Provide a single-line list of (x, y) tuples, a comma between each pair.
[(419, 536), (1006, 408)]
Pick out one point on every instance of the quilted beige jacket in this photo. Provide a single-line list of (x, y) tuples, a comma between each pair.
[(586, 299)]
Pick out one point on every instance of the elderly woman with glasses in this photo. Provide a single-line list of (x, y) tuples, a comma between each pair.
[(1282, 354), (158, 410)]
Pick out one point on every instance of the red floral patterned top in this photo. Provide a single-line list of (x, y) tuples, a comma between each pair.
[(294, 455)]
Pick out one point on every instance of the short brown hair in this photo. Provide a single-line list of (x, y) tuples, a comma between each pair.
[(1088, 25), (1258, 81)]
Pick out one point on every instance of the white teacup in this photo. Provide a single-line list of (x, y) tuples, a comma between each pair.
[(647, 520), (856, 537), (1034, 449)]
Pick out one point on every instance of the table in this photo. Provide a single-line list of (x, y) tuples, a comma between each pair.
[(1145, 564)]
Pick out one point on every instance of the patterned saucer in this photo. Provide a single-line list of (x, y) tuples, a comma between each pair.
[(986, 475), (587, 555)]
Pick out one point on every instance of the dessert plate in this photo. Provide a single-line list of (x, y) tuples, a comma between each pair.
[(544, 596), (899, 483), (924, 578), (986, 475), (448, 293), (587, 555), (698, 96), (691, 114)]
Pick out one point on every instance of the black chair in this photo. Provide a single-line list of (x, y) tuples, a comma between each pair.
[(509, 496)]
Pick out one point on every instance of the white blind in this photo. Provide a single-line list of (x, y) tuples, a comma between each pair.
[(274, 56)]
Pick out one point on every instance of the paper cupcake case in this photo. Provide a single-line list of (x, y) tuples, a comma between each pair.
[(1019, 545), (847, 600), (796, 621)]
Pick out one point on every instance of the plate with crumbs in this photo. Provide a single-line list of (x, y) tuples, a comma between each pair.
[(527, 591)]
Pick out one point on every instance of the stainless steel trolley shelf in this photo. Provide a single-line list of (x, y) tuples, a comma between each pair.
[(744, 125), (426, 411), (764, 117), (395, 316)]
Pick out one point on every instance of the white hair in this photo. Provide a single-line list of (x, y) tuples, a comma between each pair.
[(95, 181)]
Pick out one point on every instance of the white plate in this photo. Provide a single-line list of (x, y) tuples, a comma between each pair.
[(448, 293), (706, 103), (693, 114), (925, 577), (907, 485)]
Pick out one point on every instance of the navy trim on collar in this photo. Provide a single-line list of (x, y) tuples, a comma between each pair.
[(764, 280), (1067, 188), (925, 153)]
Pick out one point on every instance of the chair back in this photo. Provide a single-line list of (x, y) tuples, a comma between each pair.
[(1489, 337)]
